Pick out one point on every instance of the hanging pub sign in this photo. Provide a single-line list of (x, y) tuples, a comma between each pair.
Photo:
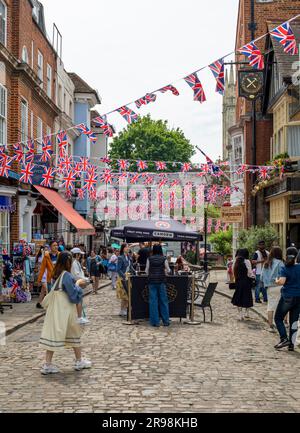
[(233, 214)]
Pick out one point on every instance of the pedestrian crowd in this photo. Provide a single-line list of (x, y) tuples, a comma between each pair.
[(274, 281)]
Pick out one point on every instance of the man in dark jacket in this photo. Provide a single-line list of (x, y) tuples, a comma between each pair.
[(157, 268)]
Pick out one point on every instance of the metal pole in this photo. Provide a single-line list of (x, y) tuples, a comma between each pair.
[(205, 265), (253, 177)]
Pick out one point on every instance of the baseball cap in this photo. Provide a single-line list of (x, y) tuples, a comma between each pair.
[(77, 251)]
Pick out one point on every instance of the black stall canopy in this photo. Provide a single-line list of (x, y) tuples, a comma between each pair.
[(155, 230)]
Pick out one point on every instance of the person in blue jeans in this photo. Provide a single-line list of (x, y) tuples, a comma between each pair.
[(289, 301), (157, 268), (259, 258)]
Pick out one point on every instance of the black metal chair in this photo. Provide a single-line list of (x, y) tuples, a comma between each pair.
[(206, 300), (4, 305)]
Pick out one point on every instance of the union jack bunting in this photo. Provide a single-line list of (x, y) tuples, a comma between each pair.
[(48, 177), (47, 149), (186, 166), (242, 169), (84, 163), (123, 164), (160, 165), (149, 180), (132, 194), (65, 164), (93, 195), (170, 88), (86, 131), (135, 178), (27, 173), (163, 182), (264, 173), (123, 178), (217, 68), (218, 226), (68, 194), (81, 194), (127, 114), (30, 151), (226, 191), (18, 152), (105, 160), (175, 183), (5, 163), (256, 59), (145, 100), (62, 141), (107, 129), (194, 82), (286, 38), (68, 180), (141, 165), (90, 181), (107, 176)]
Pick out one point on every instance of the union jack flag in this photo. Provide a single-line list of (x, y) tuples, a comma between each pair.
[(163, 182), (242, 169), (175, 183), (194, 82), (5, 163), (217, 68), (286, 38), (141, 165), (122, 178), (226, 191), (149, 180), (90, 181), (160, 165), (123, 164), (107, 176), (47, 149), (27, 173), (256, 59), (81, 194), (170, 88), (19, 152), (107, 129), (105, 160), (30, 151), (264, 173), (218, 226), (69, 180), (68, 194), (186, 166), (145, 100), (86, 131), (135, 178), (84, 163), (48, 177), (93, 195), (132, 194), (129, 115), (65, 164), (62, 141)]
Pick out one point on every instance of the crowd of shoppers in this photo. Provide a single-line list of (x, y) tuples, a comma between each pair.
[(279, 283)]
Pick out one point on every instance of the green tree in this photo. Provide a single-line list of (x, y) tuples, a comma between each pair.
[(151, 140), (250, 238), (222, 242)]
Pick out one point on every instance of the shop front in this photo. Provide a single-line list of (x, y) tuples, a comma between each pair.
[(7, 207)]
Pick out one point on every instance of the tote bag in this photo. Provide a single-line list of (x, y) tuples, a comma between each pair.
[(56, 286)]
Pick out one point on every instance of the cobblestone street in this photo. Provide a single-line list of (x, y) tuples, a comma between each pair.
[(226, 366)]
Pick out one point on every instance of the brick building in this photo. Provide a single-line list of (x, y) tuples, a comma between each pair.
[(253, 18), (27, 83)]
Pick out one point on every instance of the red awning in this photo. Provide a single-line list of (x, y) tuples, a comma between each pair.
[(83, 227)]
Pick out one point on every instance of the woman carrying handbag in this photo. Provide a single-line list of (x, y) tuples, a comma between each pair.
[(60, 327)]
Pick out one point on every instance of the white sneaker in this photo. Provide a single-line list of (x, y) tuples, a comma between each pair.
[(81, 365), (123, 313), (83, 321), (49, 369)]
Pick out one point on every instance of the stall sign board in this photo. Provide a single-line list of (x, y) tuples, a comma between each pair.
[(232, 214), (177, 290)]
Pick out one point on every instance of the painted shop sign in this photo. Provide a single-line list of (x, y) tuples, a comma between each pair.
[(232, 214)]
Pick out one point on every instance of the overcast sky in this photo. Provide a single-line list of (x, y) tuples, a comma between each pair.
[(125, 49)]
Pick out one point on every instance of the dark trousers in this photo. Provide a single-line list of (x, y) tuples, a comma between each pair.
[(288, 305)]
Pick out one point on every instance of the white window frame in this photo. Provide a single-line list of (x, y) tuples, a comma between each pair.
[(39, 135), (41, 67), (5, 23), (24, 133), (5, 230), (49, 81), (32, 54), (31, 125), (25, 58), (3, 116)]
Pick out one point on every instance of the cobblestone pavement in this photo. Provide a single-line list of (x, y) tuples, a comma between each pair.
[(226, 366)]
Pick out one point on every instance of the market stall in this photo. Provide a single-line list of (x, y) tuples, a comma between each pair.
[(178, 286)]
